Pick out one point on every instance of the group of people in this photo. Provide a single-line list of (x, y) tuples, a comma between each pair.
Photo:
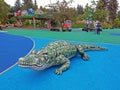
[(97, 26)]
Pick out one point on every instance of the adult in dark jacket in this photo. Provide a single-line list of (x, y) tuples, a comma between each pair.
[(98, 27)]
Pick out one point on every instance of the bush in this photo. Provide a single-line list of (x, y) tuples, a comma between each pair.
[(117, 23), (13, 20), (26, 23), (78, 25), (106, 25)]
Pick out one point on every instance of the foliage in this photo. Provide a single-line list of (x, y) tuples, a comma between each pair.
[(105, 4), (17, 6), (80, 17), (13, 20), (78, 25), (26, 23), (43, 9), (100, 13), (4, 9), (95, 11), (80, 9), (60, 11), (35, 5), (113, 6), (87, 11), (27, 4), (118, 15), (106, 25), (116, 22)]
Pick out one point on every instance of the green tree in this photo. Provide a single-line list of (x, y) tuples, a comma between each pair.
[(100, 13), (105, 4), (35, 5), (17, 6), (4, 10), (43, 9), (116, 22), (112, 8), (27, 4), (80, 9), (87, 12), (118, 15), (60, 11)]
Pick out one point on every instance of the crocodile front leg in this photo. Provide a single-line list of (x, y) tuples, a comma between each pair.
[(65, 64)]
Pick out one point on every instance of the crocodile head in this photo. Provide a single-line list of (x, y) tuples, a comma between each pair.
[(33, 61)]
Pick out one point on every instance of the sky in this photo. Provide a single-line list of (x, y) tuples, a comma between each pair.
[(46, 2)]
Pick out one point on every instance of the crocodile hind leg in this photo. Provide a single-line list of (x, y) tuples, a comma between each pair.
[(82, 53), (65, 64)]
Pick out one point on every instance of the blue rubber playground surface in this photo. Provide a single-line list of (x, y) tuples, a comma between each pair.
[(101, 72), (115, 34), (11, 48)]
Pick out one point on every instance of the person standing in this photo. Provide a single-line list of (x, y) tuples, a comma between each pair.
[(98, 27), (87, 26), (95, 28)]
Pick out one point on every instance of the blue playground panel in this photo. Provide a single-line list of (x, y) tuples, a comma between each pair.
[(11, 48), (101, 72), (115, 34)]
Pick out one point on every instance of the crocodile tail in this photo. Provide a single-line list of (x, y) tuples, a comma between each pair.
[(91, 47)]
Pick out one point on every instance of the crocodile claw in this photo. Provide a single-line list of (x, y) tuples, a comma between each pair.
[(58, 71), (85, 57)]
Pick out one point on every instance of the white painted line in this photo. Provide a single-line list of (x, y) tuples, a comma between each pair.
[(26, 55), (3, 31)]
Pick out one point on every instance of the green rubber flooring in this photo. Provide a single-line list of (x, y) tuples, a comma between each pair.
[(106, 36)]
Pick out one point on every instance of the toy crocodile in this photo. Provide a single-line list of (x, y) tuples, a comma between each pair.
[(56, 53)]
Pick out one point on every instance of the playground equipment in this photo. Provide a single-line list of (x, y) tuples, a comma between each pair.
[(31, 11), (37, 18), (66, 26), (56, 53)]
